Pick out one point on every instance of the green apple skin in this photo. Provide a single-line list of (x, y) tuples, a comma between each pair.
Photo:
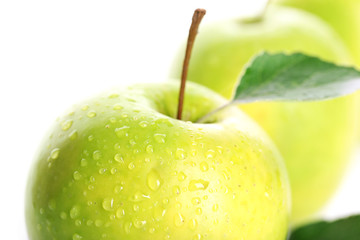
[(120, 166), (342, 15), (315, 139)]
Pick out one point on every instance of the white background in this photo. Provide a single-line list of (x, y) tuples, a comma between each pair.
[(55, 53)]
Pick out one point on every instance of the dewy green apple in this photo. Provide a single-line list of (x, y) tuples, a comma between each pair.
[(120, 166), (315, 142)]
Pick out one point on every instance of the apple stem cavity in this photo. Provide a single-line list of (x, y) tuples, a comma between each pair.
[(196, 19)]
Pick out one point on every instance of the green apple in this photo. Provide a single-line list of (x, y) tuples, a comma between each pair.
[(342, 15), (315, 139), (119, 166)]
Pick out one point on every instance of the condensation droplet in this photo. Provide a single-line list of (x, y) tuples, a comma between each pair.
[(127, 227), (204, 167), (153, 180), (73, 135), (179, 220), (108, 204), (139, 223), (63, 215), (77, 237), (119, 158), (91, 114), (76, 176), (117, 106), (196, 185), (193, 224), (160, 138), (176, 190), (66, 125), (97, 155), (181, 176), (52, 204), (196, 200), (83, 162), (120, 212), (85, 107), (131, 166), (198, 211), (215, 207), (197, 237), (149, 149), (74, 212), (91, 138), (143, 124), (122, 131), (180, 154), (55, 153)]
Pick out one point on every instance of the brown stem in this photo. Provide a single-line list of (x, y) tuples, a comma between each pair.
[(197, 17)]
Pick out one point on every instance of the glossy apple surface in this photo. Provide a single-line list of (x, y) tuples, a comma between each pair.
[(119, 166), (342, 15), (315, 139)]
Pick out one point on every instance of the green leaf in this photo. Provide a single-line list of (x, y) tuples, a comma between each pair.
[(295, 77), (343, 229)]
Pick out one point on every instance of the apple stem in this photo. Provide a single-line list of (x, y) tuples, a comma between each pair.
[(196, 19)]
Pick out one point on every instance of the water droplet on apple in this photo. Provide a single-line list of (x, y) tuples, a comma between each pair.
[(91, 114), (41, 211), (108, 204), (197, 237), (159, 213), (179, 220), (77, 237), (63, 215), (113, 170), (74, 212), (73, 135), (120, 212), (136, 207), (215, 207), (66, 125), (113, 95), (91, 138), (143, 124), (196, 185), (176, 190), (181, 176), (55, 153), (180, 154), (160, 138), (119, 158), (77, 222), (122, 131), (83, 162), (139, 223), (204, 167), (85, 107), (198, 211), (98, 223), (97, 155), (117, 106), (131, 166), (149, 148), (76, 175), (102, 170), (127, 227), (132, 142), (52, 204), (196, 200), (153, 180), (118, 189), (193, 224)]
